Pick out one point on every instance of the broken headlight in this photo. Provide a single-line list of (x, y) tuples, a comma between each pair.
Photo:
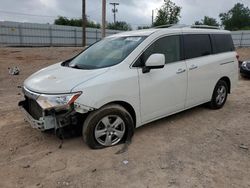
[(57, 101)]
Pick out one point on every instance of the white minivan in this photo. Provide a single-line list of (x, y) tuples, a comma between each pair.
[(129, 79)]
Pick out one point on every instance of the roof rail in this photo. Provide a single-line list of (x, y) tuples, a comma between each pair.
[(204, 27), (171, 26), (163, 26), (183, 26)]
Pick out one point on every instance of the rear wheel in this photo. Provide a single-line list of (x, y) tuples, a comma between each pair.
[(219, 95), (107, 126)]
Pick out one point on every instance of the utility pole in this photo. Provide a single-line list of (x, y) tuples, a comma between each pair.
[(84, 20), (152, 17), (114, 10), (103, 18)]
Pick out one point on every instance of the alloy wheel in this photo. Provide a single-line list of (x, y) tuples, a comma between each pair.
[(221, 95), (110, 130)]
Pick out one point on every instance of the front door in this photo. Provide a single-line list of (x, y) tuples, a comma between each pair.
[(163, 91)]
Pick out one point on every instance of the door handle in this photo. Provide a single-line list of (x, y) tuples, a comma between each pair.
[(192, 67), (179, 71)]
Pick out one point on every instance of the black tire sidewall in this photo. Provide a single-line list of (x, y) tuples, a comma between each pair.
[(213, 103), (94, 117)]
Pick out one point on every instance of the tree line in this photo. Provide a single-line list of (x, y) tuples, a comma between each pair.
[(78, 23), (237, 18)]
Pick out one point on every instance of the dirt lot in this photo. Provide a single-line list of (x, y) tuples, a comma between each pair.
[(195, 148)]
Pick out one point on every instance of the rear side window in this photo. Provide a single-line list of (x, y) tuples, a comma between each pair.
[(197, 46), (170, 46), (222, 43)]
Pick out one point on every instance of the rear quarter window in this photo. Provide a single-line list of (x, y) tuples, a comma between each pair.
[(197, 45), (222, 43)]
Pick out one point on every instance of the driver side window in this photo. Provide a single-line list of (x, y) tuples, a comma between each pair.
[(170, 46)]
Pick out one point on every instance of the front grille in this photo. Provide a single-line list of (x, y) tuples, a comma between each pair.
[(34, 108)]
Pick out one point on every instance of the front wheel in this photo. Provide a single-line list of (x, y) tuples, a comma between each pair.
[(219, 95), (107, 126)]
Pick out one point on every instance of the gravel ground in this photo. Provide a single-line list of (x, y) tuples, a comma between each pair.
[(196, 148)]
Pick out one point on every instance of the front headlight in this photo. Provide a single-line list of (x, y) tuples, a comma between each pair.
[(57, 101)]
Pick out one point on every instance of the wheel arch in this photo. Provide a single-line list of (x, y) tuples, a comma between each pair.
[(227, 80), (128, 107)]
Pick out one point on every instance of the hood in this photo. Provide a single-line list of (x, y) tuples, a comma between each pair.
[(59, 79)]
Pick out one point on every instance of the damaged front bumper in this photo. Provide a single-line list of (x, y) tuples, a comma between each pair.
[(46, 119), (43, 123)]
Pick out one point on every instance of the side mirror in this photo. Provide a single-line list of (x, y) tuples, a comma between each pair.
[(155, 61)]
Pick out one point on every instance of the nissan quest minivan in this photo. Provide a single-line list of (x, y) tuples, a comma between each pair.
[(129, 79)]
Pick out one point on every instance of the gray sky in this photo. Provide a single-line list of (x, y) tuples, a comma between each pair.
[(135, 12)]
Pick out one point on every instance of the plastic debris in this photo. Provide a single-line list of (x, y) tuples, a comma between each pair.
[(242, 146), (125, 162), (14, 71)]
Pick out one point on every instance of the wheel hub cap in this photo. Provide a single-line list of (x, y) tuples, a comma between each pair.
[(221, 95), (109, 130)]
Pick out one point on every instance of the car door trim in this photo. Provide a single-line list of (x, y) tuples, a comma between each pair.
[(227, 62)]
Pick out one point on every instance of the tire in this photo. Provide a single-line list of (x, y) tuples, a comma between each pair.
[(108, 126), (220, 94)]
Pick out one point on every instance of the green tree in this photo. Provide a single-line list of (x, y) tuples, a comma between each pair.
[(169, 13), (143, 27), (119, 26), (92, 24), (61, 21), (75, 22), (238, 18), (207, 21)]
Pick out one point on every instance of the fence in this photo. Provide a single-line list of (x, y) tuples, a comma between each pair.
[(241, 38), (29, 34)]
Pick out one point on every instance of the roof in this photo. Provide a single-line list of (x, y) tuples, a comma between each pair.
[(143, 32), (183, 29)]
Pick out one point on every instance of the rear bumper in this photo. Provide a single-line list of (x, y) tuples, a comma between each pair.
[(44, 123)]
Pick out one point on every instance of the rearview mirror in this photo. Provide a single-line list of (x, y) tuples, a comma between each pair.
[(155, 61)]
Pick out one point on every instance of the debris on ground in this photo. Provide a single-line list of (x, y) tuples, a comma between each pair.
[(64, 183), (242, 146), (60, 146), (16, 51), (39, 185), (26, 166), (125, 162), (125, 145), (14, 71), (48, 153), (123, 149)]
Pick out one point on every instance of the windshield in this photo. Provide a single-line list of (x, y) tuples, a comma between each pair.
[(106, 53)]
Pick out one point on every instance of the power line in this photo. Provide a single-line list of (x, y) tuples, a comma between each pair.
[(25, 14), (33, 15)]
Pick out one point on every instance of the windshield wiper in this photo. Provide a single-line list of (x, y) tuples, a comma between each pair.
[(75, 67)]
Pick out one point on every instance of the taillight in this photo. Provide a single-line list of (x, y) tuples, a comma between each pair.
[(238, 57)]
